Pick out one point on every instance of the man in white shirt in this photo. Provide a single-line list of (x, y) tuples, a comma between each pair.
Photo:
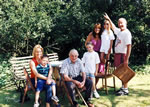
[(122, 48)]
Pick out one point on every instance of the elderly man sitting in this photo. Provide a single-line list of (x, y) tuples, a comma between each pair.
[(71, 69)]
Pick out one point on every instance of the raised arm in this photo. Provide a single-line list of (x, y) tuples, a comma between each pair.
[(111, 23), (33, 68)]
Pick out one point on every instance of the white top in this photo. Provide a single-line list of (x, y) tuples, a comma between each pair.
[(90, 59), (106, 38), (123, 39)]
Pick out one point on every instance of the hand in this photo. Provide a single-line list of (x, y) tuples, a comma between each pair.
[(106, 16), (109, 51), (78, 84), (82, 84), (48, 81), (35, 85), (95, 73), (125, 63)]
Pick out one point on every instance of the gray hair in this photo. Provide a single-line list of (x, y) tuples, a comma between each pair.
[(73, 51), (123, 20)]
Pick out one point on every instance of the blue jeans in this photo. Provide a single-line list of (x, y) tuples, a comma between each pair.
[(41, 84), (71, 88)]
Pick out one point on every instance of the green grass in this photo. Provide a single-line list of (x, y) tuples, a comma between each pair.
[(139, 96)]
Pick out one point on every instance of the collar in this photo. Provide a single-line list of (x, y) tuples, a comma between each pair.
[(71, 62)]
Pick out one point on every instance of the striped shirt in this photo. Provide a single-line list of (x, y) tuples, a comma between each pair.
[(43, 70), (72, 69)]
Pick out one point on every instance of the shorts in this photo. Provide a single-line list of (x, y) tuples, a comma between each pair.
[(119, 59), (42, 84), (91, 75), (105, 51)]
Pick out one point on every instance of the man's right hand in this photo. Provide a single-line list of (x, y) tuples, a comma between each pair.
[(78, 84)]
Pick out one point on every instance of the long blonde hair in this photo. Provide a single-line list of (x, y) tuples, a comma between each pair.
[(108, 30), (35, 48)]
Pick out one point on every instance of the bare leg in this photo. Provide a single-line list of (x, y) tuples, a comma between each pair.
[(47, 105), (102, 57), (54, 89), (37, 96)]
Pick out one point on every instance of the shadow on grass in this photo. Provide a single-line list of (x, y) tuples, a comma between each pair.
[(9, 97)]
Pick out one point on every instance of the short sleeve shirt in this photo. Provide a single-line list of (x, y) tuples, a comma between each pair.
[(106, 38), (123, 39), (90, 59), (72, 69), (43, 70)]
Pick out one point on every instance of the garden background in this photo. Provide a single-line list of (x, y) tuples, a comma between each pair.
[(60, 25)]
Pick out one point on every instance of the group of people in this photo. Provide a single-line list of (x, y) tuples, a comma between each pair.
[(81, 73)]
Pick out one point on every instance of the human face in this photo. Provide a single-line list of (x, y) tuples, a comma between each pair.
[(38, 53), (89, 47), (122, 24), (73, 57), (97, 30), (107, 25), (44, 61)]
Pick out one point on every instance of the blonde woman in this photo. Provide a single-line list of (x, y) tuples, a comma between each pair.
[(37, 54), (107, 38)]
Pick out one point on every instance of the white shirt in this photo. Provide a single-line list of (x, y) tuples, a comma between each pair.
[(106, 38), (72, 69), (90, 59), (123, 39)]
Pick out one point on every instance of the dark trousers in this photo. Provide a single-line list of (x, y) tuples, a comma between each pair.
[(71, 88)]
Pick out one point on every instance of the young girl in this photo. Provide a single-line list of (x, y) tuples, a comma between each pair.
[(91, 62), (107, 38)]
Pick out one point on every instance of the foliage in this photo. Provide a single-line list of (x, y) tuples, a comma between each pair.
[(137, 14), (23, 24), (5, 75), (60, 25)]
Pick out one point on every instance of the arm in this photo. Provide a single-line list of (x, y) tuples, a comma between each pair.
[(35, 81), (111, 23), (49, 78), (88, 39), (127, 55), (111, 43), (97, 65), (67, 78), (33, 67)]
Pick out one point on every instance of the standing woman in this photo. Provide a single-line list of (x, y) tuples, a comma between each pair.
[(95, 38), (37, 54)]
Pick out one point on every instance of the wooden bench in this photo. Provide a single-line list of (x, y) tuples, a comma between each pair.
[(20, 65)]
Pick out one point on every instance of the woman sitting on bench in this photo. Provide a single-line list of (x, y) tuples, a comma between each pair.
[(37, 54)]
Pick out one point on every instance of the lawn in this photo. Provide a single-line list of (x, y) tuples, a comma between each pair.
[(139, 96)]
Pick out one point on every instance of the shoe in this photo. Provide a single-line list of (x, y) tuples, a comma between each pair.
[(55, 98), (58, 105), (36, 105), (96, 94), (90, 104), (119, 90), (75, 104), (122, 93)]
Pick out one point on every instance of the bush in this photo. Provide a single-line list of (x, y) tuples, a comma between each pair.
[(5, 74)]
